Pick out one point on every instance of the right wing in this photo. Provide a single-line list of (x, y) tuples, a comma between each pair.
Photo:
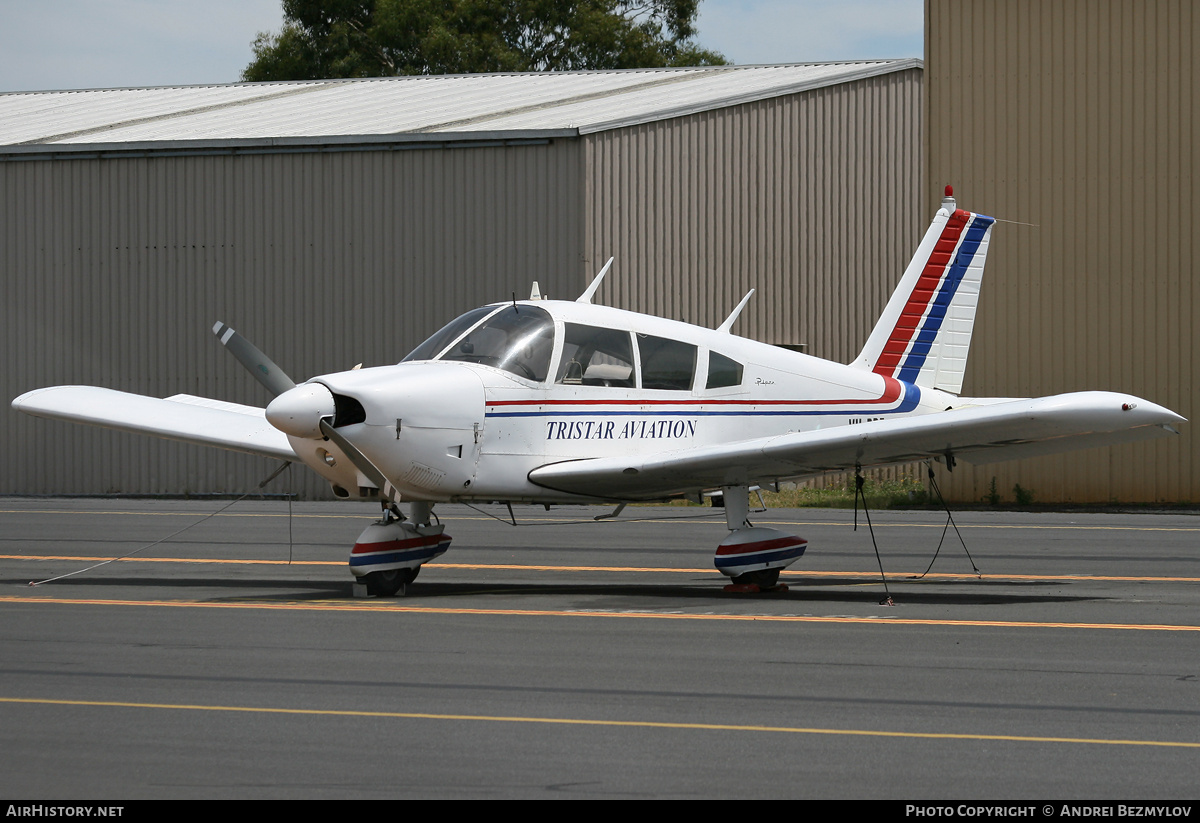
[(181, 417), (1004, 431)]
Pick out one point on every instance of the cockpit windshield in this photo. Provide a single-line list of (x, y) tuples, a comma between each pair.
[(447, 334), (517, 339)]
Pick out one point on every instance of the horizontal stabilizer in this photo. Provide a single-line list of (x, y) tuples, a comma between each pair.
[(981, 434), (182, 417)]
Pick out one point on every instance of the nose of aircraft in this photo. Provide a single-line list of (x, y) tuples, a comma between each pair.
[(298, 411)]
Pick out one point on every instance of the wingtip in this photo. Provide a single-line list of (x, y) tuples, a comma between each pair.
[(24, 402)]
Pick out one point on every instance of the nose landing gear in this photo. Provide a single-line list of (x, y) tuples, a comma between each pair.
[(389, 553)]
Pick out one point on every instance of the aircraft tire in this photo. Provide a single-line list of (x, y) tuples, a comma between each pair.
[(763, 578), (389, 583)]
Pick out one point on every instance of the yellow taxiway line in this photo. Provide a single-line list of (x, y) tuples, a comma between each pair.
[(379, 605), (792, 574), (572, 721)]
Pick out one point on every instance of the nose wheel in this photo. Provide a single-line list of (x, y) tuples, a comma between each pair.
[(390, 552), (763, 580), (389, 583)]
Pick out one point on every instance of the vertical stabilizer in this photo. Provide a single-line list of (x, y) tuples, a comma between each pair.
[(924, 333)]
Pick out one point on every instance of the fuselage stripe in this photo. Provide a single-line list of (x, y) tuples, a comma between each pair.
[(911, 397), (893, 391)]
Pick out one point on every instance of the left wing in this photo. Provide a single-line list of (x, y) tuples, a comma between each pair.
[(1005, 431), (181, 417)]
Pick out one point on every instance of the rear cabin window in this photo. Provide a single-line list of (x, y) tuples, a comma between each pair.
[(666, 364), (723, 372), (594, 356)]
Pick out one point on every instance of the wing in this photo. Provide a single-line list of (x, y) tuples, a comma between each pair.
[(181, 417), (981, 434)]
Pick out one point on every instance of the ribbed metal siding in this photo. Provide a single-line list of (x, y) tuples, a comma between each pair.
[(330, 259), (1081, 118), (115, 270), (810, 198)]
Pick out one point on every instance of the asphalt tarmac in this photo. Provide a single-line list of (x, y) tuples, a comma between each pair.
[(598, 660)]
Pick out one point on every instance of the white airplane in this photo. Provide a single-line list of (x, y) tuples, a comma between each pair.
[(547, 401)]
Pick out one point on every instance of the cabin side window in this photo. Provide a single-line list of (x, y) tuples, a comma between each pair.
[(666, 364), (723, 372), (594, 356)]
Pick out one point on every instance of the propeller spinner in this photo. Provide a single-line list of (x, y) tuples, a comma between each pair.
[(309, 411)]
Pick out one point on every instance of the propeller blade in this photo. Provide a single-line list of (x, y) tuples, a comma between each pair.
[(360, 461), (258, 364)]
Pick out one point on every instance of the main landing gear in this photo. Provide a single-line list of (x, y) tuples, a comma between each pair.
[(389, 553), (752, 557)]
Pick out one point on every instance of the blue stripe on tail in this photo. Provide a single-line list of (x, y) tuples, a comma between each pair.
[(945, 296)]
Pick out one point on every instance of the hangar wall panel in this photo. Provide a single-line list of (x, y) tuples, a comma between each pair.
[(810, 198), (118, 266), (116, 270), (1081, 117)]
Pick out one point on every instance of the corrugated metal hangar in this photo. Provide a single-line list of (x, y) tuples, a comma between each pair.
[(340, 222), (1079, 120)]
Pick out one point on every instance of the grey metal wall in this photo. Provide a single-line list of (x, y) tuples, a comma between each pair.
[(810, 198), (1080, 117), (115, 269)]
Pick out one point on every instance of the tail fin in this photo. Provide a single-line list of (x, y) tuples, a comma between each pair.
[(924, 333)]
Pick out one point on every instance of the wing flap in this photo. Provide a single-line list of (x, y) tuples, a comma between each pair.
[(1003, 431), (182, 417)]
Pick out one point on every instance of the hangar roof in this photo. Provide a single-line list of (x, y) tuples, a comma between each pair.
[(436, 108)]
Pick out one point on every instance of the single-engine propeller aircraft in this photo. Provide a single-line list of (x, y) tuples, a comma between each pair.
[(548, 401)]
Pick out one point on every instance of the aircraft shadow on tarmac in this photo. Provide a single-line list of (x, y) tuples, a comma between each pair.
[(968, 592), (147, 585), (839, 591)]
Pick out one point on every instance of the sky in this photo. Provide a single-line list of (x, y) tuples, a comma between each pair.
[(82, 44)]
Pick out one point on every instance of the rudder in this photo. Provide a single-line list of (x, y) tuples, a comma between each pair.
[(924, 334)]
